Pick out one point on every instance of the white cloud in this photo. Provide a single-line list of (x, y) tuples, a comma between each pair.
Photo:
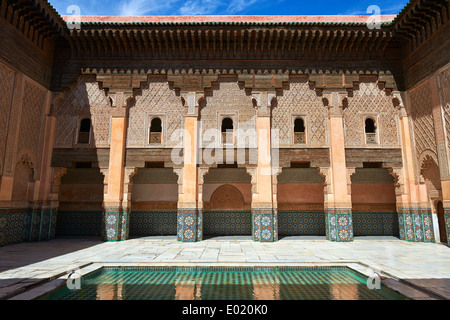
[(145, 7), (237, 6), (202, 7)]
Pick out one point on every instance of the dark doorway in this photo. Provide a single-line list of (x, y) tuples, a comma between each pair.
[(441, 221)]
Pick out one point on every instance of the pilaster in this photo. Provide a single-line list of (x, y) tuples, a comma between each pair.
[(189, 213), (338, 204), (264, 208), (116, 211), (413, 210)]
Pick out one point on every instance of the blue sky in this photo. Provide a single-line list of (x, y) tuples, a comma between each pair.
[(226, 7)]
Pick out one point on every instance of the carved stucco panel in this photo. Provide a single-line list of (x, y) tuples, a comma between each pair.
[(370, 100), (299, 100), (227, 99), (422, 119), (155, 99), (6, 90), (85, 98)]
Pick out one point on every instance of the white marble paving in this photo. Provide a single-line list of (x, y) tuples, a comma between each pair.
[(21, 264)]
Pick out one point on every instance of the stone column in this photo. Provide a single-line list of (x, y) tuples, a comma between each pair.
[(189, 218), (264, 212), (414, 215), (116, 211), (338, 204)]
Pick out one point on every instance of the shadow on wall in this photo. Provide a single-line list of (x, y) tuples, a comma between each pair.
[(82, 151)]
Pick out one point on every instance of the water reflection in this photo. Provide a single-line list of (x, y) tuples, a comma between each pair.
[(344, 291), (139, 285)]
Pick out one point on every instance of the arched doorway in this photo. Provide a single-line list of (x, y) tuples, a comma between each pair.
[(154, 196), (80, 209), (227, 202), (374, 203), (300, 202), (441, 221)]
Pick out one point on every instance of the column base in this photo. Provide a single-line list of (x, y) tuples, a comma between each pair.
[(339, 224), (264, 225), (189, 225), (415, 225), (115, 224), (447, 225)]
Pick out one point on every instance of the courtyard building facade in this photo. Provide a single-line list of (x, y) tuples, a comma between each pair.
[(200, 126)]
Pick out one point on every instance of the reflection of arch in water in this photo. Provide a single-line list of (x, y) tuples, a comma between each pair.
[(227, 197)]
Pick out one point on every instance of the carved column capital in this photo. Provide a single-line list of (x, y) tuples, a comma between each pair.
[(263, 101), (336, 102), (191, 100)]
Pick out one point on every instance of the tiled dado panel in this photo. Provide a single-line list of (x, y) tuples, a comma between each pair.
[(265, 225), (26, 224), (148, 223), (115, 223), (79, 223), (227, 223), (339, 224), (189, 225), (375, 223), (296, 223), (415, 225), (447, 226)]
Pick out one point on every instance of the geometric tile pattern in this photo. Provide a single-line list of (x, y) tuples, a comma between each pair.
[(26, 224), (189, 221), (115, 223), (148, 223), (265, 225), (339, 225), (14, 225), (416, 225), (296, 223), (447, 226), (375, 223), (227, 223), (79, 223)]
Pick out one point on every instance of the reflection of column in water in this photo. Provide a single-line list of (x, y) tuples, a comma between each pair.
[(120, 290), (185, 286), (105, 291), (106, 288), (266, 286), (340, 291)]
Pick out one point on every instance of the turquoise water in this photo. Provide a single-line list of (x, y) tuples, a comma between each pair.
[(218, 283)]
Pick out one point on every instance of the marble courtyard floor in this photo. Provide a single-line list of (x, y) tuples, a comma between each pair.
[(418, 270)]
